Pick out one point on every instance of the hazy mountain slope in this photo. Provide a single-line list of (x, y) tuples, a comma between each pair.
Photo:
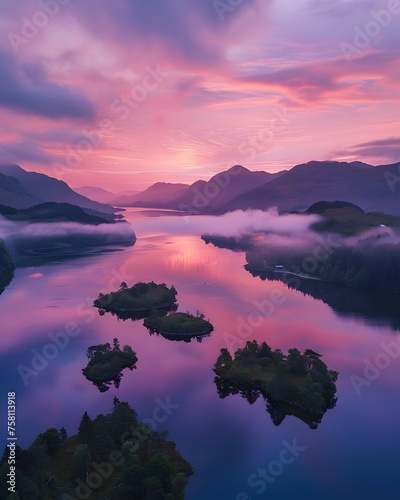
[(95, 193), (153, 196), (308, 183), (41, 188), (103, 195), (13, 194), (221, 188)]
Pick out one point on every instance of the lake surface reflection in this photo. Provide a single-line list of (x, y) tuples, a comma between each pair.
[(352, 454)]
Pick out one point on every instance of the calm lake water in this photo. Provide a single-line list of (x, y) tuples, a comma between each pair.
[(353, 454)]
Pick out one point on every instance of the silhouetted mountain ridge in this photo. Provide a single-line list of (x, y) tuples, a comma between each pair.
[(22, 189)]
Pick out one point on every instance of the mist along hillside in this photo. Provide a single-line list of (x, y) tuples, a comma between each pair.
[(53, 212), (6, 266), (22, 189), (349, 248), (348, 219), (50, 229), (111, 456)]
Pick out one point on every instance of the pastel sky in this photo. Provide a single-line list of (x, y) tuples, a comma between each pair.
[(125, 93)]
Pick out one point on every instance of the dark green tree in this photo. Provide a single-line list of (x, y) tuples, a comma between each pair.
[(80, 463), (63, 434), (85, 429)]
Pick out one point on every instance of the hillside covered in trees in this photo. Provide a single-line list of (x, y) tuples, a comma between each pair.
[(6, 267), (347, 247), (112, 456)]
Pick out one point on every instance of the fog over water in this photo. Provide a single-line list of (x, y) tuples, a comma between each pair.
[(226, 440)]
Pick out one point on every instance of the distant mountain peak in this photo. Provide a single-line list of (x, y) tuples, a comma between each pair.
[(238, 169)]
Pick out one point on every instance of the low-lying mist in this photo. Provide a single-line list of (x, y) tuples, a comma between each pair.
[(17, 235)]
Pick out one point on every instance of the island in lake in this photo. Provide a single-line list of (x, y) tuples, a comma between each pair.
[(112, 456), (137, 301), (106, 364), (179, 326), (298, 384)]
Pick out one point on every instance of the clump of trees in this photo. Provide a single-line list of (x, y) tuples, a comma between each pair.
[(106, 363), (179, 323), (139, 297), (296, 377), (130, 460)]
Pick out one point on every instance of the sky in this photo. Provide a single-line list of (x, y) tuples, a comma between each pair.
[(126, 93)]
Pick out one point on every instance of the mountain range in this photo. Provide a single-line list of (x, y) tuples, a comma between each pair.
[(102, 195), (22, 189), (373, 188)]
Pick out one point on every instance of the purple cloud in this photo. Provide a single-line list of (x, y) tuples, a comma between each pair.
[(22, 151), (24, 88)]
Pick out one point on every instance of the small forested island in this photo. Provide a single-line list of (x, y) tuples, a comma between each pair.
[(142, 297), (6, 267), (106, 364), (112, 456), (178, 324), (299, 381)]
